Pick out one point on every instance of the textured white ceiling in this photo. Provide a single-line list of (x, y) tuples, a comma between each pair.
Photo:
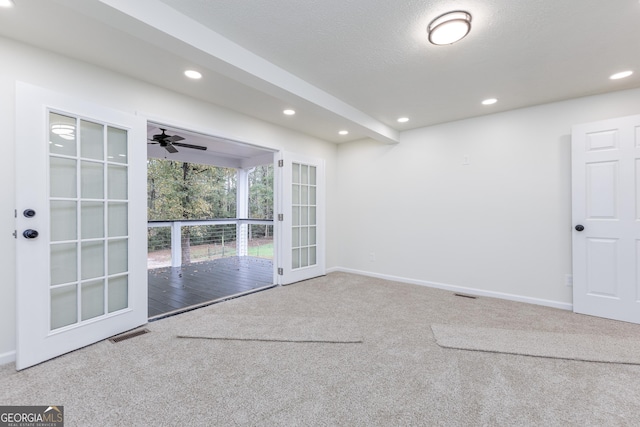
[(369, 55)]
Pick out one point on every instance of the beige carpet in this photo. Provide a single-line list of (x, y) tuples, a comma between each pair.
[(275, 328), (558, 345), (397, 376)]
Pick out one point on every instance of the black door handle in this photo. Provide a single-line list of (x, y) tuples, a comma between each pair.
[(579, 227), (30, 234), (29, 213)]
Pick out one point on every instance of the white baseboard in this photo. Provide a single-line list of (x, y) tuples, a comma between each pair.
[(7, 357), (461, 289)]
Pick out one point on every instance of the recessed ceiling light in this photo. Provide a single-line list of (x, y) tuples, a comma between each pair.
[(449, 28), (403, 119), (621, 75), (193, 74), (6, 3), (344, 132), (489, 101), (289, 112)]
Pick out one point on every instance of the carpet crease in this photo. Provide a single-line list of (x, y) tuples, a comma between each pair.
[(556, 345)]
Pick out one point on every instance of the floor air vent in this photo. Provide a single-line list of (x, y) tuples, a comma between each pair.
[(129, 335)]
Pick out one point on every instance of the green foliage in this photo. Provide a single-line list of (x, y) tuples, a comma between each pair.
[(177, 190), (261, 192)]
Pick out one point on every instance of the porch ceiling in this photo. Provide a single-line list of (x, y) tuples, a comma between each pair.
[(220, 152)]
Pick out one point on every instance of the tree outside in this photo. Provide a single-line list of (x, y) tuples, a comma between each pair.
[(188, 191)]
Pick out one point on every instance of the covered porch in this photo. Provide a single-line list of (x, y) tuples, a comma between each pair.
[(196, 262)]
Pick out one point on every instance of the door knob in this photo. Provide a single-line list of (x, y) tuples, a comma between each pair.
[(29, 213), (579, 227), (30, 234)]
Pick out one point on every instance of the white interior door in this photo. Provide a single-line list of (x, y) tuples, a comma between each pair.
[(606, 218), (301, 222), (81, 224)]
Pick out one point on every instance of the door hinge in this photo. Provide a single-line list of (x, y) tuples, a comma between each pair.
[(15, 213), (281, 163), (280, 271), (280, 217), (15, 234)]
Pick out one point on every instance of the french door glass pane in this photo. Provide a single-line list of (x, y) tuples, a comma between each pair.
[(312, 255), (89, 173), (303, 215), (312, 195), (117, 182), (64, 263), (62, 177), (116, 145), (92, 299), (64, 306), (91, 137), (62, 135), (92, 259), (295, 258), (312, 236), (63, 220), (92, 180), (295, 237), (92, 214), (312, 175), (118, 293), (118, 217), (118, 256), (295, 194)]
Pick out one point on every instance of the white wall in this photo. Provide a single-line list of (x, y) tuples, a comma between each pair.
[(500, 226), (57, 73)]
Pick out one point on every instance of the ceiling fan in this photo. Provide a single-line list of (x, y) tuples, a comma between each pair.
[(170, 141)]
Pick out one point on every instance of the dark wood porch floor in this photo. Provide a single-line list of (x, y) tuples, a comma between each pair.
[(177, 288)]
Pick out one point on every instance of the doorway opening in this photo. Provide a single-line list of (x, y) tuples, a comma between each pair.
[(210, 219)]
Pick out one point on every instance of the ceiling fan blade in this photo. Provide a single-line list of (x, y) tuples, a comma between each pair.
[(195, 147), (170, 148), (173, 138)]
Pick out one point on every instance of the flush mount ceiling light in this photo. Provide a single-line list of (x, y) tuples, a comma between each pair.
[(403, 119), (489, 101), (344, 132), (449, 28), (6, 3), (193, 74), (621, 75), (288, 112)]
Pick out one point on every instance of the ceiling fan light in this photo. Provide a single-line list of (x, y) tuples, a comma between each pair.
[(449, 28)]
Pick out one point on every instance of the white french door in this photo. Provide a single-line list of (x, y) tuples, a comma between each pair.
[(301, 218), (81, 223), (606, 218)]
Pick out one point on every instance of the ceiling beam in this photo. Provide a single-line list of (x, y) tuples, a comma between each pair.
[(167, 28)]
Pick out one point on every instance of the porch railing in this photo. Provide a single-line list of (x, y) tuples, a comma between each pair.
[(176, 243)]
